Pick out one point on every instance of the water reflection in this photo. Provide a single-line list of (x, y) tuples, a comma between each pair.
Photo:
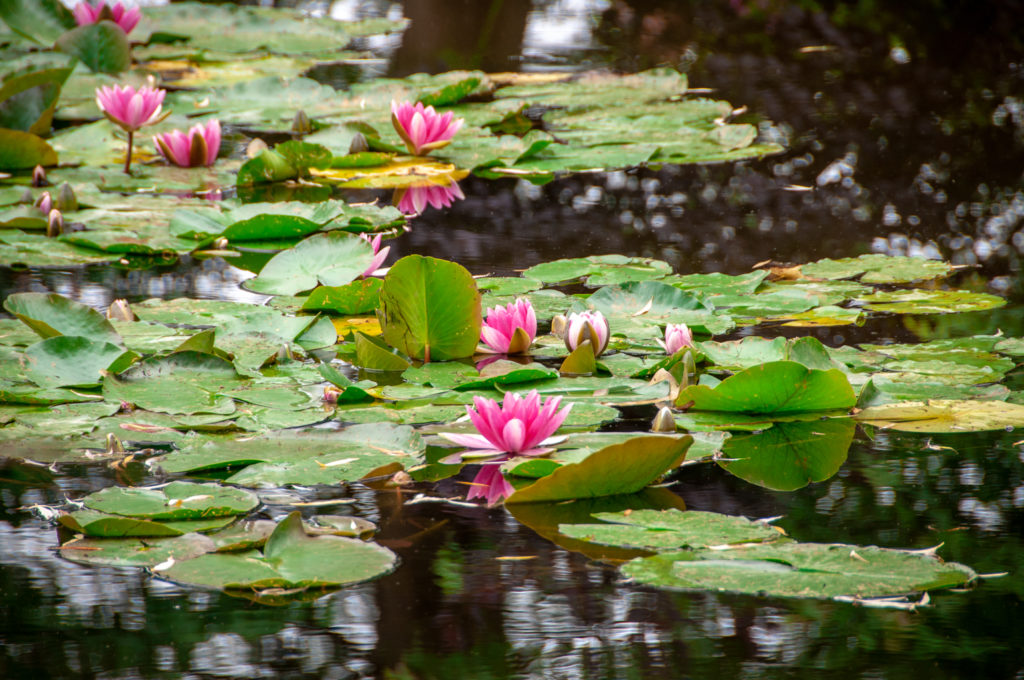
[(413, 200)]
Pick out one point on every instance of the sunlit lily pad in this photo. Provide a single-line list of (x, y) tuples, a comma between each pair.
[(945, 416), (803, 570), (777, 387), (175, 501), (135, 552), (918, 301), (105, 525), (878, 269)]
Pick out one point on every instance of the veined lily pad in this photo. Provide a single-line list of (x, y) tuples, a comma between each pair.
[(617, 469), (331, 259), (789, 456), (918, 301), (105, 525), (774, 388), (135, 552), (49, 314)]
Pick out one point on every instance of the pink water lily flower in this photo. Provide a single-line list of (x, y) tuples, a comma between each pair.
[(125, 17), (592, 326), (423, 129), (129, 108), (521, 426), (379, 254), (677, 336), (199, 147), (509, 329), (490, 484), (413, 200)]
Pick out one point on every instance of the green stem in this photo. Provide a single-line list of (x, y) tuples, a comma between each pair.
[(128, 156)]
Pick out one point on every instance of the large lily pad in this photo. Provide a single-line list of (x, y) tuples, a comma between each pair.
[(621, 468), (789, 456), (776, 388), (942, 415), (49, 314), (803, 570), (430, 309), (175, 501), (878, 269), (290, 559), (331, 259), (663, 530)]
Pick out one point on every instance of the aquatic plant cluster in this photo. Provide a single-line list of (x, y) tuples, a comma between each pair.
[(354, 372)]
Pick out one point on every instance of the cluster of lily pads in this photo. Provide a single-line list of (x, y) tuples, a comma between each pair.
[(344, 376)]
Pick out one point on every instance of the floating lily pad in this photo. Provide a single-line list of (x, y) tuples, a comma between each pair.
[(331, 259), (789, 456), (774, 388), (600, 270), (289, 559), (430, 309), (919, 301), (175, 501), (878, 269), (49, 315), (74, 361), (944, 416), (803, 570), (663, 530), (617, 469), (135, 552), (104, 525)]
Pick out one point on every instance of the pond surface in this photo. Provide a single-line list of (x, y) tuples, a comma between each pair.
[(905, 135)]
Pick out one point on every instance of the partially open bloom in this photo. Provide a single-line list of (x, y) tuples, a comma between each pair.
[(379, 254), (413, 200), (422, 128), (125, 17), (520, 426), (199, 147), (510, 329), (45, 202), (128, 108), (677, 336), (582, 326)]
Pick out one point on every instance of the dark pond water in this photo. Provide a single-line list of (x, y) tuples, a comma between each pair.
[(906, 121)]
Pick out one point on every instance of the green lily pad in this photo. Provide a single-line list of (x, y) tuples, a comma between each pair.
[(600, 270), (49, 315), (104, 525), (103, 46), (774, 388), (789, 456), (331, 259), (74, 361), (135, 552), (290, 559), (802, 570), (175, 501), (944, 416), (359, 297), (919, 301), (617, 469), (430, 309), (878, 269), (672, 529)]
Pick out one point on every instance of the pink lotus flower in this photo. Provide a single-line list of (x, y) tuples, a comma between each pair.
[(510, 329), (45, 202), (379, 254), (520, 426), (128, 108), (677, 336), (423, 129), (125, 17), (591, 326), (413, 200), (490, 484), (199, 147)]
